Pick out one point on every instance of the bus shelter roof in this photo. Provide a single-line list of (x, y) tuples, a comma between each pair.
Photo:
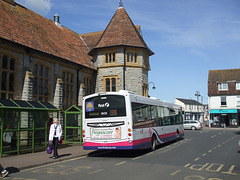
[(73, 109), (26, 105)]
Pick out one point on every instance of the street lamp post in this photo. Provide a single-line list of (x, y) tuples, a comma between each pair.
[(154, 87)]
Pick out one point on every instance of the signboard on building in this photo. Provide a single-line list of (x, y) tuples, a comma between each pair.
[(220, 111)]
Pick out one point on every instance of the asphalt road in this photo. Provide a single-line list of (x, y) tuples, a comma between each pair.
[(208, 154)]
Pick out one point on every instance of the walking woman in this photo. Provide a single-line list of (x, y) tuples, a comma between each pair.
[(55, 136)]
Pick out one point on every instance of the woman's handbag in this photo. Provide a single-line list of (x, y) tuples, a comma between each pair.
[(49, 148)]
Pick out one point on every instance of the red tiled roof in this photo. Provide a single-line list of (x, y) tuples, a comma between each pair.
[(92, 38), (23, 26), (121, 31), (224, 75)]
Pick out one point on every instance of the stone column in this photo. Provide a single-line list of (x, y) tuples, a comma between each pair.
[(81, 94), (27, 93), (58, 94)]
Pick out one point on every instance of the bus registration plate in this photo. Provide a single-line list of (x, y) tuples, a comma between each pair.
[(106, 133)]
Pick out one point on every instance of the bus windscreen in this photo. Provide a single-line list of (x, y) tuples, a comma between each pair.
[(105, 106)]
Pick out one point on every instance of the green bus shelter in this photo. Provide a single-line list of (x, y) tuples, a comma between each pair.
[(73, 125), (24, 125)]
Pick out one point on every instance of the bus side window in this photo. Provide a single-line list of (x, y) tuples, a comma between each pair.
[(160, 116), (137, 114)]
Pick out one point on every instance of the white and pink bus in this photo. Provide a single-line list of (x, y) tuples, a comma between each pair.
[(123, 120)]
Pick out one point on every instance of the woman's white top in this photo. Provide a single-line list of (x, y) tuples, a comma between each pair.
[(58, 131)]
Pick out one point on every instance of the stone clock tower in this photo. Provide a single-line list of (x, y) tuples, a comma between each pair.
[(121, 56)]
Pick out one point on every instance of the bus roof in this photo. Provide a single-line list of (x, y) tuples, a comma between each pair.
[(137, 98)]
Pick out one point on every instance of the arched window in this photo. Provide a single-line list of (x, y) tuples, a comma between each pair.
[(68, 89), (145, 90), (8, 75), (113, 84), (4, 80), (88, 83), (41, 83), (110, 57), (131, 57), (110, 84)]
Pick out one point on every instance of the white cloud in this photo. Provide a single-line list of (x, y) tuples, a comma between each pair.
[(198, 26), (42, 7)]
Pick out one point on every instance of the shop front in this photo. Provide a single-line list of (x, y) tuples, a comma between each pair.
[(224, 117)]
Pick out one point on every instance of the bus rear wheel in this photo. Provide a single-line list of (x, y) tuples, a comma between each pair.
[(154, 143), (177, 135)]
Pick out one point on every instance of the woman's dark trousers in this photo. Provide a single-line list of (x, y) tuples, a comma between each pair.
[(55, 146)]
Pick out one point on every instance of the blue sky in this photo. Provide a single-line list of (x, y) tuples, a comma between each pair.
[(188, 37)]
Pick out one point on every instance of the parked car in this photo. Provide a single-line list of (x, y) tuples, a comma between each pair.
[(192, 124)]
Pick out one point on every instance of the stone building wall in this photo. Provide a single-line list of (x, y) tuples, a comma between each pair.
[(135, 75), (24, 76)]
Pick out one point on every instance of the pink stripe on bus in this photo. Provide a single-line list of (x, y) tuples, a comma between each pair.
[(134, 142)]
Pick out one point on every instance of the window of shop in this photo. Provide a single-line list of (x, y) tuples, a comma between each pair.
[(223, 101), (238, 100), (237, 85), (223, 86)]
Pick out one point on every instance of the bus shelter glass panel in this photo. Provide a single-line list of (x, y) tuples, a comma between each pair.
[(26, 130), (25, 143), (10, 131), (26, 120), (40, 133), (73, 128), (41, 118), (39, 138)]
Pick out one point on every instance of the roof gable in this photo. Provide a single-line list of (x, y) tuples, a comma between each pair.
[(189, 101), (121, 31), (25, 27)]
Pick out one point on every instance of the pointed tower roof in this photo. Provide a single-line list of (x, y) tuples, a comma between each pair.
[(121, 32)]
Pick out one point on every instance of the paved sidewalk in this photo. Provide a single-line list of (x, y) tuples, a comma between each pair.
[(15, 163)]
